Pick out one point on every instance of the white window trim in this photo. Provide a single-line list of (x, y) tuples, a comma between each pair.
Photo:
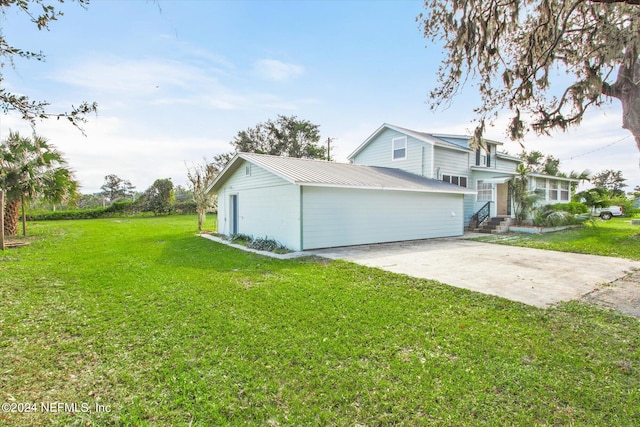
[(540, 187), (566, 190), (394, 148), (553, 186), (478, 181), (456, 175)]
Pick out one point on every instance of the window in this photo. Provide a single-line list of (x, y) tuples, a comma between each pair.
[(399, 148), (553, 190), (541, 187), (485, 191), (247, 170), (483, 157), (564, 191), (457, 180)]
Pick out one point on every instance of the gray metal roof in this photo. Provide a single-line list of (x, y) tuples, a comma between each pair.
[(331, 174)]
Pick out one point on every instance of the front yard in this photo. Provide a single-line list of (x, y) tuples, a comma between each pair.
[(159, 327), (616, 237)]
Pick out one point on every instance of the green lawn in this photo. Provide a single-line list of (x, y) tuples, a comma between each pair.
[(616, 237), (165, 328)]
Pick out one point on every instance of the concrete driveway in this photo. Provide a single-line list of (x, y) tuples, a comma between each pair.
[(531, 276)]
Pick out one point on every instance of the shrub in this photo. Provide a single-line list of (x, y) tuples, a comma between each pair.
[(266, 244), (66, 215), (240, 238), (185, 207), (627, 205), (556, 216), (572, 208), (123, 207), (259, 243)]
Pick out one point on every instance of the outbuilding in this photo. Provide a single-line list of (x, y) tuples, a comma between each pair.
[(310, 204)]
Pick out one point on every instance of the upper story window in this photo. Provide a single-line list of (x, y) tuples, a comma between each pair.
[(454, 179), (483, 157), (247, 170), (399, 147)]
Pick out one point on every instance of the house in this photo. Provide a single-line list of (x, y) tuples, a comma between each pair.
[(449, 158), (400, 185), (309, 204)]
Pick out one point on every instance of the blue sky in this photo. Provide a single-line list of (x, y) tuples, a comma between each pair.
[(176, 80)]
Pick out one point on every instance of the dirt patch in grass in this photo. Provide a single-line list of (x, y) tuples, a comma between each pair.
[(622, 295)]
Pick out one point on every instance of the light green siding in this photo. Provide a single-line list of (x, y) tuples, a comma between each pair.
[(451, 162), (472, 204), (268, 206), (341, 217), (506, 165), (379, 152)]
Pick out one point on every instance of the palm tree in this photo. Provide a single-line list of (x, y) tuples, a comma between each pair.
[(27, 165), (523, 199), (59, 186)]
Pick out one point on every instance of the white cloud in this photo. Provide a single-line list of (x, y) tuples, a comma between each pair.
[(109, 147), (272, 69)]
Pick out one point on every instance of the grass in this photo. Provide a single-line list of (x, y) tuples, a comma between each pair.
[(616, 237), (165, 328)]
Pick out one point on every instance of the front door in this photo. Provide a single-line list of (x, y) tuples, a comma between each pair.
[(502, 202)]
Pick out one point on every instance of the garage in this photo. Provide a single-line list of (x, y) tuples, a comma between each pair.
[(342, 217), (310, 204)]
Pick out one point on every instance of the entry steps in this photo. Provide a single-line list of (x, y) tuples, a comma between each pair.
[(498, 224)]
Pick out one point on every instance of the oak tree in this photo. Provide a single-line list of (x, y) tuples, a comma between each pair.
[(159, 197), (41, 13), (286, 136), (517, 51)]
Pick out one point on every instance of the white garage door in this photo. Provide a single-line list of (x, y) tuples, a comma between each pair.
[(341, 217)]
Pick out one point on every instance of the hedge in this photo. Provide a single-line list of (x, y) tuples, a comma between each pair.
[(572, 208), (117, 209)]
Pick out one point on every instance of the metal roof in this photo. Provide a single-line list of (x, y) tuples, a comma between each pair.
[(559, 178), (343, 175)]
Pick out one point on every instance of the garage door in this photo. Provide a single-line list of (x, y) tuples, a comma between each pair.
[(342, 217)]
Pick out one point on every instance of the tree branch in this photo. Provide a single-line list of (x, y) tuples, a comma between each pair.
[(636, 2)]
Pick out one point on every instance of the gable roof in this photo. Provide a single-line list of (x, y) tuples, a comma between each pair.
[(321, 173), (455, 142), (506, 156)]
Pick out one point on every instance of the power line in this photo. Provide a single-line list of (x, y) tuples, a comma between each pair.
[(598, 149)]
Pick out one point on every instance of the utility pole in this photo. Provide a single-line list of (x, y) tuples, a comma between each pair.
[(329, 148)]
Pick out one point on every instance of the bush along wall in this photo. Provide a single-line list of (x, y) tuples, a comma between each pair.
[(259, 243)]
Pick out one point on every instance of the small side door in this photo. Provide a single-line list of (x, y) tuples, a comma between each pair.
[(233, 213)]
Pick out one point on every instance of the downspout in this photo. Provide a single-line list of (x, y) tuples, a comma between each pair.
[(422, 162), (433, 159)]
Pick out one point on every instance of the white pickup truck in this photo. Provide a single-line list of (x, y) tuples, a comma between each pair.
[(607, 213)]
